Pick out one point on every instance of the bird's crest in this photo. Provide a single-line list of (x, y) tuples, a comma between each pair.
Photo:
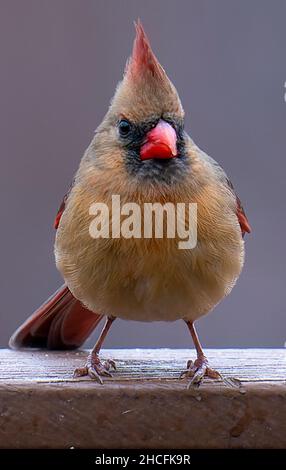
[(143, 58), (145, 89)]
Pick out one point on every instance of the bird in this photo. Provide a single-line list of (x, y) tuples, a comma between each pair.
[(142, 153)]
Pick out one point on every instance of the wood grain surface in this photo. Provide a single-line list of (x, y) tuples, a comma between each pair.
[(144, 404)]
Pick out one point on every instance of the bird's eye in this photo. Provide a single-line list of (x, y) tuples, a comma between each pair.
[(124, 127)]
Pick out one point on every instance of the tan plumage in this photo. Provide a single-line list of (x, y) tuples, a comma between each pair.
[(149, 279), (143, 279)]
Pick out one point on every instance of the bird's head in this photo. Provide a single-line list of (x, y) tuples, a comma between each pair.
[(143, 130)]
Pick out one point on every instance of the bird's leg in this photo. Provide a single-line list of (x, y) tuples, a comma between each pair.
[(200, 368), (94, 368)]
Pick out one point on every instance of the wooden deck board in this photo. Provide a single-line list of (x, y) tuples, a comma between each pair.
[(144, 404)]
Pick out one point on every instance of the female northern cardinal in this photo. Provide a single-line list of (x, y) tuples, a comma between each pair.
[(140, 152)]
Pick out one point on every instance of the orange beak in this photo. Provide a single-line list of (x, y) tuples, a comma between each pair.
[(161, 142)]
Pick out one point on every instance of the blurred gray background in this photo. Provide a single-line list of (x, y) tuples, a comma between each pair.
[(60, 62)]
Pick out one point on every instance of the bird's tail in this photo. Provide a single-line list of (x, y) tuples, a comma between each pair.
[(62, 322)]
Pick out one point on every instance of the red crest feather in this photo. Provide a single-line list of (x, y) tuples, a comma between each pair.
[(143, 58)]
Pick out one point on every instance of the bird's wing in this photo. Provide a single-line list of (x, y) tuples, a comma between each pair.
[(222, 176), (242, 219), (62, 207)]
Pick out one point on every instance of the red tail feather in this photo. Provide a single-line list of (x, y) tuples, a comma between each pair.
[(62, 322)]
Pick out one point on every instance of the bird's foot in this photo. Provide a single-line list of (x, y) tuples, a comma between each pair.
[(95, 369), (198, 370)]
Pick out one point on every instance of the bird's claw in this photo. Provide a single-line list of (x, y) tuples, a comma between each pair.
[(95, 369), (110, 364), (197, 371)]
